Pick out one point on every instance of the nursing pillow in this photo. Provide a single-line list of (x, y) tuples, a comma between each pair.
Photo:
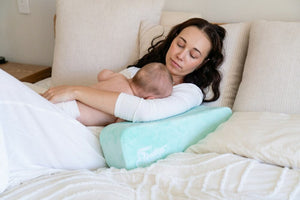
[(130, 145)]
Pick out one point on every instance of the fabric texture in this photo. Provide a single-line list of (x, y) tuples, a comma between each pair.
[(180, 176), (149, 31), (269, 137), (106, 38), (38, 135), (4, 172), (70, 108), (235, 50), (130, 145), (271, 74)]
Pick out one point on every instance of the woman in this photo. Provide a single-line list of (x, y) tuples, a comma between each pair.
[(38, 135), (192, 52)]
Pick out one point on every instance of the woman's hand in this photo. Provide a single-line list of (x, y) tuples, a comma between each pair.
[(60, 94)]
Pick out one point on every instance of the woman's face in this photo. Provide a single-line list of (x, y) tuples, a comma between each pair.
[(186, 53)]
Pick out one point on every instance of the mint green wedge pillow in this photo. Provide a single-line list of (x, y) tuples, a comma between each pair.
[(130, 145)]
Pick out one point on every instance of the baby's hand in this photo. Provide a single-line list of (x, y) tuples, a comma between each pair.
[(59, 94)]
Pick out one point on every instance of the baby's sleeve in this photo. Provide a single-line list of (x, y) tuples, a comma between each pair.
[(132, 108)]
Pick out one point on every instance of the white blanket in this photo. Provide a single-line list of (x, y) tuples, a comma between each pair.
[(181, 176), (37, 135)]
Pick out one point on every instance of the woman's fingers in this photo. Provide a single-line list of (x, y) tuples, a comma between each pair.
[(58, 94), (48, 94)]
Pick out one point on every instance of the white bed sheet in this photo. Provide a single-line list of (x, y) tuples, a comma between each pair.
[(179, 176)]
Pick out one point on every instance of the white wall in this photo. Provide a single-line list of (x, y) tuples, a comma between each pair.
[(27, 38), (30, 39)]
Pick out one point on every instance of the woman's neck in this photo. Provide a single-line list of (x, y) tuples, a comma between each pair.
[(177, 80)]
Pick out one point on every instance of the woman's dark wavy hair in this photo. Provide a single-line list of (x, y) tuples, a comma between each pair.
[(205, 76)]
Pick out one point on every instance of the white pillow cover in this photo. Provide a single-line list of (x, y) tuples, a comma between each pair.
[(3, 163), (149, 31), (235, 51), (235, 47), (271, 77), (269, 137), (93, 35)]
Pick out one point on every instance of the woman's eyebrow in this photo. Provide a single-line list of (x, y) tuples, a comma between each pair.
[(193, 48), (182, 39)]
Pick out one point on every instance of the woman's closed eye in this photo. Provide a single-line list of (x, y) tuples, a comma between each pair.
[(195, 54), (181, 44)]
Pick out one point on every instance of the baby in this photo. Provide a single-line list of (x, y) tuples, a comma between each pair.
[(151, 81)]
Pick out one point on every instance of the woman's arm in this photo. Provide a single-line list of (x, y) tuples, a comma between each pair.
[(128, 107), (98, 99), (184, 97)]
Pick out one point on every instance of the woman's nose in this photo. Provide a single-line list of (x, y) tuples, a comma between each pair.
[(181, 54)]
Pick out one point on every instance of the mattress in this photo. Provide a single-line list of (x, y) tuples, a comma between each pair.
[(194, 174)]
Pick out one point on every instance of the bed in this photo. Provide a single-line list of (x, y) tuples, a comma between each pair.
[(254, 155)]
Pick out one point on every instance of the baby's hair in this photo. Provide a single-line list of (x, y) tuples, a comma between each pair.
[(154, 78)]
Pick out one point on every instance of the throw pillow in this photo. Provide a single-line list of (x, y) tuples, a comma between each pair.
[(271, 74), (269, 137), (93, 35)]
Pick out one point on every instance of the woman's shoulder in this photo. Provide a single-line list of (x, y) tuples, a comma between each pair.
[(187, 87), (188, 90)]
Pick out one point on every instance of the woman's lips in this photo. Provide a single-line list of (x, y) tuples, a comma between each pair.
[(175, 64)]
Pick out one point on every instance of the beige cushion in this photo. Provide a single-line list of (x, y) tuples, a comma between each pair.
[(235, 51), (172, 18), (93, 35), (271, 77), (235, 47), (148, 31), (269, 137)]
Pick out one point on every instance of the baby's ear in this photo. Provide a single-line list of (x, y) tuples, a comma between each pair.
[(150, 97)]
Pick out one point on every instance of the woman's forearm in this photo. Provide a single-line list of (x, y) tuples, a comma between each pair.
[(132, 108), (128, 107), (98, 99)]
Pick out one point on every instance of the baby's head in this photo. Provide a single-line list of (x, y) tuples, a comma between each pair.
[(153, 81)]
